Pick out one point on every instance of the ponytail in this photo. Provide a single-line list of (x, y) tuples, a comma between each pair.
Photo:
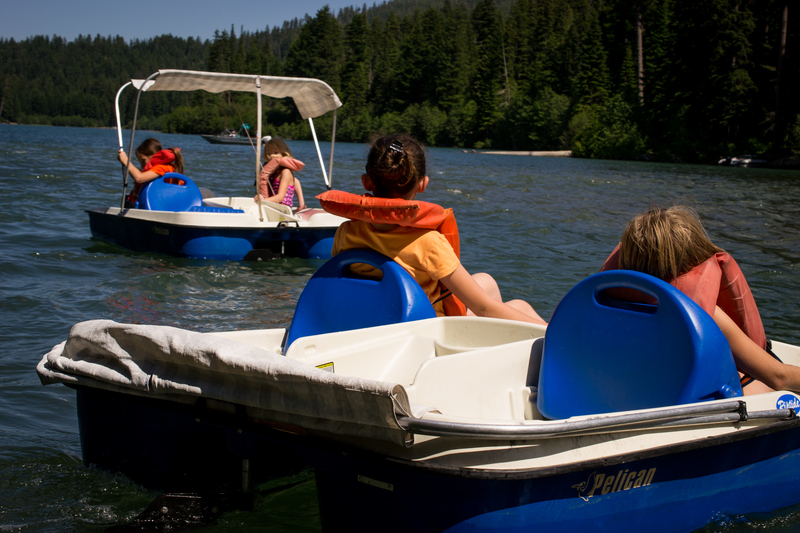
[(396, 164), (178, 163)]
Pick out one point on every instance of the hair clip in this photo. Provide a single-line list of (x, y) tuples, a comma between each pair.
[(396, 146)]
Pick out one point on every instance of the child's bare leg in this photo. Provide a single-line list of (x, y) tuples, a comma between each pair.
[(525, 307), (488, 284), (490, 287)]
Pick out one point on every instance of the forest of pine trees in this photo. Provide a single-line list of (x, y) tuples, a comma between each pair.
[(663, 79)]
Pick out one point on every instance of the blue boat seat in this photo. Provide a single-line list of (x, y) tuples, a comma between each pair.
[(602, 354), (170, 192), (336, 300)]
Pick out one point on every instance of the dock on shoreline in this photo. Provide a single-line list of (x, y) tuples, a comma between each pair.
[(557, 153)]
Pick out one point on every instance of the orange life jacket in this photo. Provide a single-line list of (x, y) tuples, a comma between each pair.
[(270, 168), (410, 213), (718, 281), (162, 158)]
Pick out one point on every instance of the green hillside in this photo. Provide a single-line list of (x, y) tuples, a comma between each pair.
[(709, 79)]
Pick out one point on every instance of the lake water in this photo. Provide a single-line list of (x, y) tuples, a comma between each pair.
[(539, 225)]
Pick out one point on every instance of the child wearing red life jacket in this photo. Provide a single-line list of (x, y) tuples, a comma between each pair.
[(277, 183), (420, 236), (155, 163), (671, 244)]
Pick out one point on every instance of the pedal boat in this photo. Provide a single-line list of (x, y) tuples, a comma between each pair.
[(615, 417), (174, 216)]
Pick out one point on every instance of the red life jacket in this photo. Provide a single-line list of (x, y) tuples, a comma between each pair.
[(164, 157), (718, 281), (409, 213)]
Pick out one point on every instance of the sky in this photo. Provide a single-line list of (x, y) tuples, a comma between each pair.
[(143, 19)]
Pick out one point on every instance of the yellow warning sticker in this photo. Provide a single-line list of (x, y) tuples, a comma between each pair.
[(327, 367)]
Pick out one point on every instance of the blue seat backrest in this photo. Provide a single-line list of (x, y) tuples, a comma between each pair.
[(335, 300), (170, 192), (602, 354)]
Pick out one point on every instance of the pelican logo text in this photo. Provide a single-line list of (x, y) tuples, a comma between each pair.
[(160, 231), (608, 483)]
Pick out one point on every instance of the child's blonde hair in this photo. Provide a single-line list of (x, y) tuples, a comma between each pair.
[(396, 164), (665, 243), (280, 144)]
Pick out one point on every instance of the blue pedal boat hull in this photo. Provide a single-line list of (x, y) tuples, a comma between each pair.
[(178, 447), (221, 243), (679, 487)]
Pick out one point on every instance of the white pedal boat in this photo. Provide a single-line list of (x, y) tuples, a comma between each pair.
[(176, 218), (443, 420)]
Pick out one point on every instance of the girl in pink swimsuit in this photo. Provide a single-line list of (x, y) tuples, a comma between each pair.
[(277, 183)]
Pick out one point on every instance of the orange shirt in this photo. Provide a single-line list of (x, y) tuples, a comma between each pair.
[(424, 253)]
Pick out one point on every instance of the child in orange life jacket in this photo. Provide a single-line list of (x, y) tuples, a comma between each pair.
[(396, 173), (276, 183), (155, 163), (671, 244)]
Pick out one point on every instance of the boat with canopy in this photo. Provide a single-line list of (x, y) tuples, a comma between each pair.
[(174, 216)]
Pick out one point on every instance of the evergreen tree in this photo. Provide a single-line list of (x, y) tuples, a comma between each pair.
[(253, 59), (239, 59), (356, 121), (591, 83), (488, 79), (355, 74), (230, 51), (218, 60), (270, 65), (712, 78), (387, 60), (454, 64), (318, 50)]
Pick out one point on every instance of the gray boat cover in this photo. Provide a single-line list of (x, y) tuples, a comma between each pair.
[(174, 364), (312, 97)]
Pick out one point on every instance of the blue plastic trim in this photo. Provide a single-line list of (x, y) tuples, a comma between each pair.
[(216, 247), (603, 355), (334, 300), (321, 249)]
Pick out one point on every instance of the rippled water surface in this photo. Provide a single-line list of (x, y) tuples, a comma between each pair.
[(539, 225)]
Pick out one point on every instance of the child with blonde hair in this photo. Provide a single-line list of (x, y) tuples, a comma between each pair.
[(671, 244)]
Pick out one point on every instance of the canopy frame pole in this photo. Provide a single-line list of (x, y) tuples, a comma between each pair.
[(119, 120), (119, 138), (133, 130), (330, 161), (319, 153), (732, 411), (258, 147)]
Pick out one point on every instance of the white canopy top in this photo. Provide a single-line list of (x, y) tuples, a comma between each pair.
[(311, 96)]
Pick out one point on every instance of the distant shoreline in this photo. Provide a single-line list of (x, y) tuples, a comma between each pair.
[(556, 153)]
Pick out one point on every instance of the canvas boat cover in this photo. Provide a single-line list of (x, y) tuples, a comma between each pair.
[(311, 96), (168, 363)]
